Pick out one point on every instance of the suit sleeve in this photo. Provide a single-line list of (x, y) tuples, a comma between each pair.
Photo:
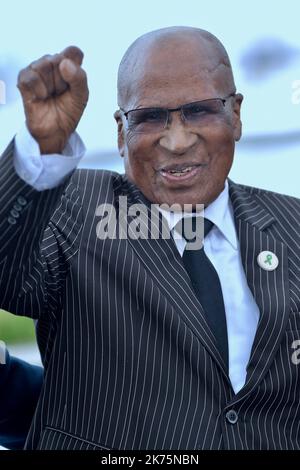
[(38, 234), (20, 386)]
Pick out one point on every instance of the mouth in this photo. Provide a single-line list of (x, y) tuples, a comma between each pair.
[(180, 172)]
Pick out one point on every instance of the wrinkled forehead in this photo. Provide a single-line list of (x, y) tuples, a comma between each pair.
[(176, 70)]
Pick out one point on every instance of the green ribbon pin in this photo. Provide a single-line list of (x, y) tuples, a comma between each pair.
[(268, 260)]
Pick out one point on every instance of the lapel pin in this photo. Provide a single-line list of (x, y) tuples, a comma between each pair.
[(267, 260)]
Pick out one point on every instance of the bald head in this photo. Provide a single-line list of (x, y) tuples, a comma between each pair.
[(172, 48)]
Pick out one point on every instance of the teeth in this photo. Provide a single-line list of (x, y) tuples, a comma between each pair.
[(180, 172)]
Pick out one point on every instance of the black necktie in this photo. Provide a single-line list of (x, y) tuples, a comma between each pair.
[(206, 284)]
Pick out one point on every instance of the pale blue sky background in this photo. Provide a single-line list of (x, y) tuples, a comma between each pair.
[(103, 30)]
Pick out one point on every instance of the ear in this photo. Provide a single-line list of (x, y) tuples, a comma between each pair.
[(237, 123), (121, 141)]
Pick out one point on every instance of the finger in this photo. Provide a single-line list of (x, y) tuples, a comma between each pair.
[(73, 53), (60, 84), (47, 67), (76, 77), (44, 68), (31, 85)]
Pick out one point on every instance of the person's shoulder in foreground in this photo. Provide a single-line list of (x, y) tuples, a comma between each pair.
[(20, 386)]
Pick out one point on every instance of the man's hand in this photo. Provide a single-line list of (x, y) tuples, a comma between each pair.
[(55, 92)]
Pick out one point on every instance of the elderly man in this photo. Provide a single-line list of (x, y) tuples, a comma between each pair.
[(147, 344)]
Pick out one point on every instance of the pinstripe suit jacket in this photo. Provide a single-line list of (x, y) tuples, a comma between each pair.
[(130, 360)]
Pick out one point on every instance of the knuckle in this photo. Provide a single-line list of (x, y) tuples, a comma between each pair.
[(55, 59), (27, 80), (41, 65), (41, 60), (20, 76), (83, 74), (73, 53), (23, 77)]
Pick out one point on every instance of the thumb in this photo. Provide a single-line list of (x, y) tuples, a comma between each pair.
[(76, 78)]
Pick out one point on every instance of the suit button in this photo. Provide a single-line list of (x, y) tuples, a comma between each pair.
[(11, 220), (17, 207), (21, 200), (232, 417), (15, 213)]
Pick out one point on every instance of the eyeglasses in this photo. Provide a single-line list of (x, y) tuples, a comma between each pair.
[(147, 120)]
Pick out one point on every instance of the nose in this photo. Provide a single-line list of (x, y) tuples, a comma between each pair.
[(177, 137)]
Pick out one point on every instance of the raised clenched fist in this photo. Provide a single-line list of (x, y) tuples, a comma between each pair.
[(55, 92)]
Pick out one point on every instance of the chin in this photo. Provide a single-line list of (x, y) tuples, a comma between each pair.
[(195, 197), (180, 199)]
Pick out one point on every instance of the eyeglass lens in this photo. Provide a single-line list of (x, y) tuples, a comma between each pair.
[(154, 119)]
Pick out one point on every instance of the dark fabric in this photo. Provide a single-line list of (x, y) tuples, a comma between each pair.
[(207, 287), (130, 360), (20, 386)]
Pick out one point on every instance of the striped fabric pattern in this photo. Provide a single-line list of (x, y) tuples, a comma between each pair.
[(130, 360)]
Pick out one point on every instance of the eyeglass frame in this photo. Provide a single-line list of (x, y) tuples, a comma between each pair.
[(179, 108)]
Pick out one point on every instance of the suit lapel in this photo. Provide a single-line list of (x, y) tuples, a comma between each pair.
[(164, 264), (269, 288)]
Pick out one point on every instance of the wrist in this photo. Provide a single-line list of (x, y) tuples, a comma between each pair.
[(51, 146)]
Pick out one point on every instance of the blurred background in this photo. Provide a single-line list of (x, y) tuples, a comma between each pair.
[(263, 42)]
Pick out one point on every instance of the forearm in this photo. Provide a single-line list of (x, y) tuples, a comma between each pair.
[(24, 214)]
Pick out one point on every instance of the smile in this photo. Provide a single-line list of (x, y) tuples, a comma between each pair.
[(180, 173)]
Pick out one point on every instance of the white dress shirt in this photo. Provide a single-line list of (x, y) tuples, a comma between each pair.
[(221, 245), (50, 170)]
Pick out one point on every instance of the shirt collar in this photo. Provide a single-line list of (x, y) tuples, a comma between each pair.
[(219, 212)]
